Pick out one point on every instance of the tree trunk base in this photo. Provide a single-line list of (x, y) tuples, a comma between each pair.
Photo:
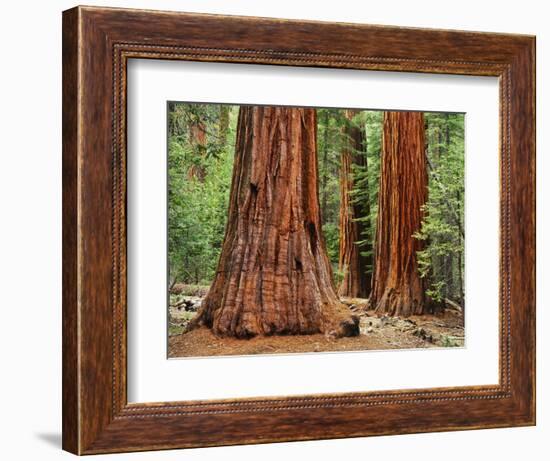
[(339, 322), (334, 321), (401, 303)]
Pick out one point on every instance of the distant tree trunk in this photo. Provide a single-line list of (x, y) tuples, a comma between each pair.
[(460, 281), (197, 139), (274, 276), (397, 288), (449, 290), (439, 272), (223, 126), (352, 263), (324, 179)]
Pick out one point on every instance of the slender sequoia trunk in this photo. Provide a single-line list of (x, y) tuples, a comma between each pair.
[(197, 138), (324, 179), (223, 126), (352, 263), (274, 275), (397, 288), (449, 263)]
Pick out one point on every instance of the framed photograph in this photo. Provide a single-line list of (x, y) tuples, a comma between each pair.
[(282, 230)]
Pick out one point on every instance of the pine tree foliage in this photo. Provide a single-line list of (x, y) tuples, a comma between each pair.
[(442, 261), (197, 208)]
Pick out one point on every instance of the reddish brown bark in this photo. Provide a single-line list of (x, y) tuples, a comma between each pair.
[(197, 139), (274, 275), (397, 288), (353, 263), (223, 126)]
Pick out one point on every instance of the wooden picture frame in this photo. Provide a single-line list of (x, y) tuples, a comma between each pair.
[(97, 43)]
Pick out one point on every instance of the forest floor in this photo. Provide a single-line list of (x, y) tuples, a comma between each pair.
[(376, 333)]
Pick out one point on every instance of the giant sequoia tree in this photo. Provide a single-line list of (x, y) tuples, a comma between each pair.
[(273, 275), (397, 288), (354, 260)]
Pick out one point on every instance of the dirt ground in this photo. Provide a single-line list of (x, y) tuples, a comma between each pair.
[(377, 333)]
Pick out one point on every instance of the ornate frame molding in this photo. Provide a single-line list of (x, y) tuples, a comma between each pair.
[(97, 43)]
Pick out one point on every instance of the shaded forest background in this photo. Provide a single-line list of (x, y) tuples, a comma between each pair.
[(201, 148)]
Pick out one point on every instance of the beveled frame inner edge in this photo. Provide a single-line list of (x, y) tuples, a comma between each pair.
[(121, 52)]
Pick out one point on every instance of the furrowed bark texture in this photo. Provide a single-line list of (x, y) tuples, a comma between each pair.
[(274, 276), (397, 288), (352, 263)]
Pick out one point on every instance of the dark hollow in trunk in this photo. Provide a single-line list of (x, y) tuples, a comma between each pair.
[(397, 288), (353, 263), (274, 276)]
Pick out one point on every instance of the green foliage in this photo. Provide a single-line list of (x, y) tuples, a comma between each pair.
[(329, 144), (449, 341), (332, 237), (366, 178), (441, 262), (198, 204)]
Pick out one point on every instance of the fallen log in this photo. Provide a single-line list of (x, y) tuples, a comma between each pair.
[(452, 305)]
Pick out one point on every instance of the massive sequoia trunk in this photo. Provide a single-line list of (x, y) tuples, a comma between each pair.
[(353, 262), (274, 276), (397, 288)]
